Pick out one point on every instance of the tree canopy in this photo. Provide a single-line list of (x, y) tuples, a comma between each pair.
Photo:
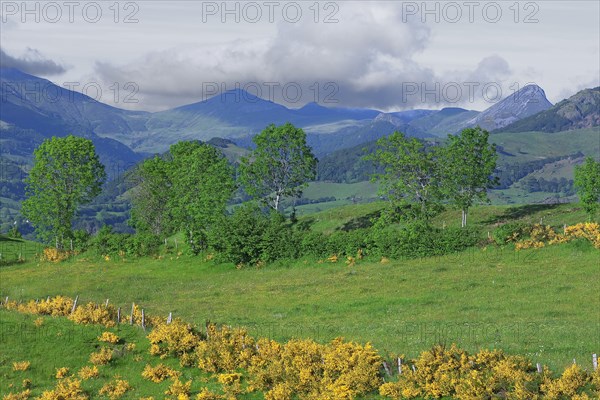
[(66, 173), (280, 166)]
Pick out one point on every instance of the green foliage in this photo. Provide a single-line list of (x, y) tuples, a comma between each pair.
[(510, 232), (250, 236), (411, 175), (468, 163), (14, 232), (81, 240), (108, 243), (587, 182), (280, 166), (66, 174), (418, 239), (202, 183), (150, 211)]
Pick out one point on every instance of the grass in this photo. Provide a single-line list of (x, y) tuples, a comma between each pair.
[(537, 303), (487, 217), (60, 343)]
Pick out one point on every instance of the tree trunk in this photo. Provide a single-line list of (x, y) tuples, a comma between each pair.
[(277, 202)]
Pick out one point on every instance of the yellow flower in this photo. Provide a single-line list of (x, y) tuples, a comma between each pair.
[(21, 365)]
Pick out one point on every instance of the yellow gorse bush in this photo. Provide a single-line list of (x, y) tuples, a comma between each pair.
[(566, 386), (159, 373), (88, 372), (225, 349), (101, 357), (66, 389), (109, 337), (52, 254), (115, 389), (206, 394), (179, 389), (21, 365), (25, 394), (175, 338), (541, 235), (61, 373)]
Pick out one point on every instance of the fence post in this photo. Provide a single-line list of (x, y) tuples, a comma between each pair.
[(399, 366), (119, 315), (386, 368), (143, 320), (131, 316), (169, 318), (106, 304), (539, 368), (74, 304), (595, 361)]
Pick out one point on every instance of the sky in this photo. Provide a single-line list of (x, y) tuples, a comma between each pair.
[(156, 55)]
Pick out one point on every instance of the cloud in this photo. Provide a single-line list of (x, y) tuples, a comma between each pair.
[(367, 59), (32, 62)]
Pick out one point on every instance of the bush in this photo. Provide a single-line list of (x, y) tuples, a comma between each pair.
[(313, 243), (251, 236), (346, 243), (106, 243), (510, 232)]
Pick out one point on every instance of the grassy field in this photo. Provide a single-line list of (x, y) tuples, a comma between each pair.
[(537, 303)]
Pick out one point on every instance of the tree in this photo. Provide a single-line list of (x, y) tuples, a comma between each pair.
[(202, 183), (151, 197), (587, 182), (66, 173), (280, 166), (410, 177), (468, 164)]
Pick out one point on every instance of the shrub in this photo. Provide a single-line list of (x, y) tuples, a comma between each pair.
[(101, 357), (510, 232), (21, 365), (159, 373), (88, 372), (116, 389)]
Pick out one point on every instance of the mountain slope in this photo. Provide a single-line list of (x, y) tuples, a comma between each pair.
[(581, 110), (527, 101)]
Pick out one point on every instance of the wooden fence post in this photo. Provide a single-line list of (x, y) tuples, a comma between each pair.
[(143, 320), (169, 318), (119, 315), (106, 304), (74, 304), (399, 366), (595, 361), (131, 316), (539, 368), (386, 368)]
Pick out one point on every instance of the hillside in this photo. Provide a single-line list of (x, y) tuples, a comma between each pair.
[(581, 110), (497, 289)]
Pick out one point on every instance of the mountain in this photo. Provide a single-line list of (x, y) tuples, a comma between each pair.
[(33, 109), (446, 121), (581, 110), (239, 115), (527, 101)]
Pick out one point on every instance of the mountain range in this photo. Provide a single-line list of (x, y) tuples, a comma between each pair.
[(34, 108)]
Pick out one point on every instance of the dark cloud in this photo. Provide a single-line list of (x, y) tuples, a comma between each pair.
[(32, 62)]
